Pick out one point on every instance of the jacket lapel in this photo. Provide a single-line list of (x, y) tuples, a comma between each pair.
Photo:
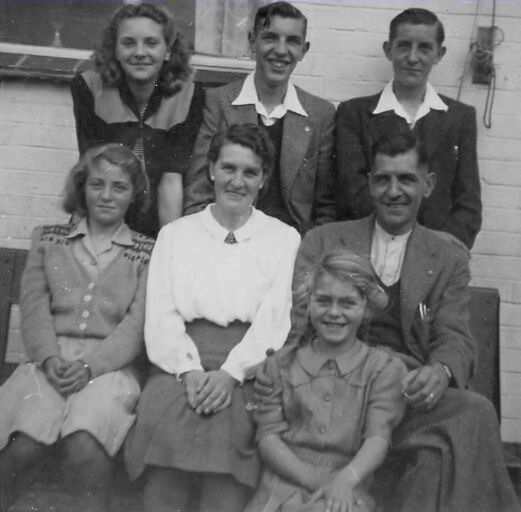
[(384, 122), (239, 114), (419, 271), (433, 128), (296, 137)]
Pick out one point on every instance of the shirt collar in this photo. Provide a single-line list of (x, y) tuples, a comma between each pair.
[(256, 221), (248, 96), (122, 236), (312, 362), (389, 101), (383, 235)]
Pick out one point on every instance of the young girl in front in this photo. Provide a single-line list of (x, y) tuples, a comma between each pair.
[(325, 425)]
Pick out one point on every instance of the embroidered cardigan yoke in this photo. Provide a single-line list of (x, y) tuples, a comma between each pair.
[(58, 298)]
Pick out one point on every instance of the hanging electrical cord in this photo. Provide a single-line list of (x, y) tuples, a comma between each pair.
[(481, 56)]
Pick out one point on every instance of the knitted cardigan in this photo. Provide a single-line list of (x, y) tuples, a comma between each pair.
[(58, 298)]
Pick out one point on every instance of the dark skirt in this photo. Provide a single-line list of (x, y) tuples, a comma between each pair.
[(168, 433)]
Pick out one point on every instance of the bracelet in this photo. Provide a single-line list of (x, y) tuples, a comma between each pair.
[(87, 367)]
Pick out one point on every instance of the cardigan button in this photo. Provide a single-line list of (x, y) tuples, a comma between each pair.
[(90, 286), (82, 327), (87, 298), (85, 314)]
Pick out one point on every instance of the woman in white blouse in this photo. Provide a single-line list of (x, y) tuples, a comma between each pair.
[(218, 297)]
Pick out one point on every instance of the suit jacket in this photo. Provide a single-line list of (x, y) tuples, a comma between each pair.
[(307, 172), (435, 272), (450, 140)]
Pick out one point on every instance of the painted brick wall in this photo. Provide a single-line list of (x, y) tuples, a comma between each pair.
[(38, 145)]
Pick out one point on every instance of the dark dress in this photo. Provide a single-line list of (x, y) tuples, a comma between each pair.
[(162, 137)]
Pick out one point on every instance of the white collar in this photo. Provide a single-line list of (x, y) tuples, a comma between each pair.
[(389, 101), (256, 221), (248, 96), (384, 235)]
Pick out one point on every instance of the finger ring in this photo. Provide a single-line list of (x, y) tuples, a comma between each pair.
[(431, 396)]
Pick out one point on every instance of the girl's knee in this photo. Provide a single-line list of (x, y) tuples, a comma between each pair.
[(22, 451), (85, 457)]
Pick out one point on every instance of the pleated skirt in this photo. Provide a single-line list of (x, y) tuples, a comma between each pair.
[(168, 433)]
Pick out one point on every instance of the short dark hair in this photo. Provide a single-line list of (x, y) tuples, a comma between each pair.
[(174, 72), (393, 144), (117, 154), (250, 136), (417, 16), (264, 15)]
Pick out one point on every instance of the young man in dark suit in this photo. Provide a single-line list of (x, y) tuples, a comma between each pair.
[(446, 127), (300, 125)]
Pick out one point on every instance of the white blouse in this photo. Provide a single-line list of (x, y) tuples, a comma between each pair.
[(194, 274)]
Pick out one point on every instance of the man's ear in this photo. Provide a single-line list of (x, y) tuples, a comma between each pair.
[(442, 50), (387, 45), (305, 49), (430, 183)]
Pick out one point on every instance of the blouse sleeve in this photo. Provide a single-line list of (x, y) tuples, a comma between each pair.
[(125, 342), (385, 407), (269, 414), (167, 344), (270, 327), (83, 106), (35, 305)]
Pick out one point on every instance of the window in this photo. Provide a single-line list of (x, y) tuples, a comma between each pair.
[(55, 38)]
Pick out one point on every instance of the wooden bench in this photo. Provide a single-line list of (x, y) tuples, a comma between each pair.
[(484, 311)]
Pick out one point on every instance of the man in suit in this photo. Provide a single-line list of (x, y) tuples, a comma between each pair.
[(300, 125), (446, 127), (446, 454)]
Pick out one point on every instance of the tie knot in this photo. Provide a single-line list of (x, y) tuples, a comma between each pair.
[(230, 238)]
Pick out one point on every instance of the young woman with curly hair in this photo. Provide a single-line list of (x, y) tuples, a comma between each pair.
[(142, 96)]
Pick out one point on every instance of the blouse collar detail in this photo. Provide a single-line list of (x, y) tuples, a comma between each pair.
[(254, 224)]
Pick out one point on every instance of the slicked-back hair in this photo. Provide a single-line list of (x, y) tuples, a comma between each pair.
[(250, 136), (417, 16), (116, 154), (264, 15), (393, 144), (173, 73)]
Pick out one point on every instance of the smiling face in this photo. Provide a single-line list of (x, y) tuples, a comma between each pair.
[(336, 310), (397, 185), (277, 49), (413, 53), (141, 49), (108, 194), (238, 176)]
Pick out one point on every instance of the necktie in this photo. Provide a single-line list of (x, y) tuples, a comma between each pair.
[(230, 238)]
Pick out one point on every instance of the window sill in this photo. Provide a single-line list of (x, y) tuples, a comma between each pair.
[(61, 64)]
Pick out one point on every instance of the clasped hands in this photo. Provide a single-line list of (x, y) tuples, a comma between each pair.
[(209, 392), (423, 387), (66, 377), (341, 493)]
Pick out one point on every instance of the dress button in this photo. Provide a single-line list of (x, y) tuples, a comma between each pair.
[(322, 430), (90, 286), (327, 398), (82, 327), (85, 314), (87, 298)]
